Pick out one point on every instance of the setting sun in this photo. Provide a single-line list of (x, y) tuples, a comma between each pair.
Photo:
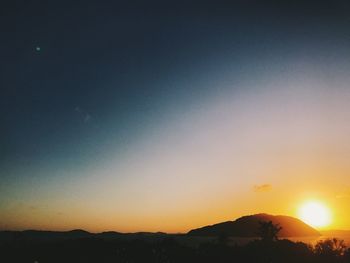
[(315, 214)]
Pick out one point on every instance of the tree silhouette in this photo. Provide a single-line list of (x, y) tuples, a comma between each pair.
[(330, 248), (268, 231)]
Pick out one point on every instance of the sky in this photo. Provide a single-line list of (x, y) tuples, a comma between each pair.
[(134, 116)]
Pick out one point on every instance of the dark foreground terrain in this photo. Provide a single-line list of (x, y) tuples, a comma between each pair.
[(167, 249)]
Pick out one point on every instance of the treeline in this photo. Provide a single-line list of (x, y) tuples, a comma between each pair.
[(169, 250)]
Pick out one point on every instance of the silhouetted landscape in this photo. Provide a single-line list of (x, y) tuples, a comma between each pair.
[(175, 131), (247, 226), (207, 244)]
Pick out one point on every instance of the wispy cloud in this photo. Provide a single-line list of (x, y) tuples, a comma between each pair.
[(87, 117), (344, 194), (83, 114), (262, 188)]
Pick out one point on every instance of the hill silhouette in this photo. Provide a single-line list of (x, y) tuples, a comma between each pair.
[(44, 235), (247, 226), (40, 235)]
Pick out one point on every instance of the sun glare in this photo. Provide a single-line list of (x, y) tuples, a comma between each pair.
[(315, 214)]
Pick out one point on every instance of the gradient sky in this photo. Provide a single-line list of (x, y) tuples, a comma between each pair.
[(166, 117)]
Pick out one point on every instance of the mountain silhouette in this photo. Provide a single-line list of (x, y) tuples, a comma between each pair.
[(247, 226), (44, 235), (74, 234)]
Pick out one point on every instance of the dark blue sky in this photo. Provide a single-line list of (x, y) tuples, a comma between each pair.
[(127, 63), (79, 78)]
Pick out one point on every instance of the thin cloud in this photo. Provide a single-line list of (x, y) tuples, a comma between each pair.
[(78, 109), (262, 188), (84, 115), (343, 195), (87, 117)]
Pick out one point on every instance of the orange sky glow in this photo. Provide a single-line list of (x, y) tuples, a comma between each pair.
[(267, 149)]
